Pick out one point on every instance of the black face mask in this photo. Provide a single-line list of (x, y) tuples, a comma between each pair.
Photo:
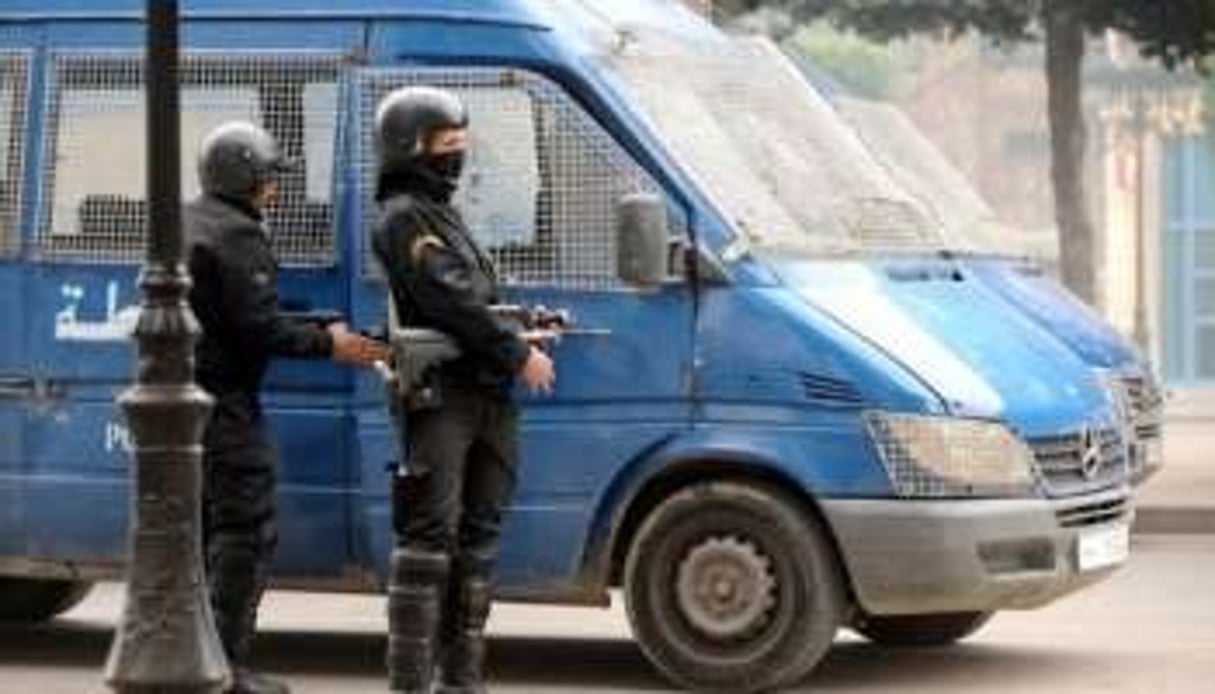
[(448, 166)]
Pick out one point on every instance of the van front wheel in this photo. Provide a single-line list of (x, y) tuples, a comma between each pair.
[(733, 588), (921, 630), (30, 600)]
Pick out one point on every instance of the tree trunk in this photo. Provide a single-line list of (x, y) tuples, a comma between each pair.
[(1064, 66)]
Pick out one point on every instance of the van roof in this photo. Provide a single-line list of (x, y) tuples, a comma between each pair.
[(490, 11)]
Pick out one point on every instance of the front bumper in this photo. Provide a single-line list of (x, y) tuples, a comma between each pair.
[(919, 557)]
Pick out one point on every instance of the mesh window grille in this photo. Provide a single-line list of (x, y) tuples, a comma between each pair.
[(543, 177), (95, 177), (14, 90)]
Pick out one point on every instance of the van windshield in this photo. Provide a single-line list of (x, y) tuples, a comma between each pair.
[(969, 222), (773, 155)]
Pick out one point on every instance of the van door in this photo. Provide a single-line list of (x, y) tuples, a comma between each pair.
[(88, 245), (541, 190), (17, 387)]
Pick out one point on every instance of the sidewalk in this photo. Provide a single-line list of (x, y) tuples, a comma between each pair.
[(1181, 497)]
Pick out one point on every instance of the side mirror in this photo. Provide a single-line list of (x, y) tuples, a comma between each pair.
[(642, 240)]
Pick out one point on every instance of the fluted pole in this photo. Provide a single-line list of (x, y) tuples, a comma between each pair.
[(166, 642)]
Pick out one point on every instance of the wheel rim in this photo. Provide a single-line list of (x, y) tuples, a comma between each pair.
[(725, 589)]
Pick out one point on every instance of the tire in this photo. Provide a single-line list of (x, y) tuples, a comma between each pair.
[(30, 601), (921, 630), (734, 588)]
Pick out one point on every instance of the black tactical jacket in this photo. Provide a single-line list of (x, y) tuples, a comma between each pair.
[(441, 279), (236, 299)]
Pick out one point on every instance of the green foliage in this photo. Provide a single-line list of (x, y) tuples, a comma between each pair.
[(891, 19), (1174, 32), (868, 68), (884, 20)]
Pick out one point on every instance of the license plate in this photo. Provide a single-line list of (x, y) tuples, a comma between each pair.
[(1103, 547)]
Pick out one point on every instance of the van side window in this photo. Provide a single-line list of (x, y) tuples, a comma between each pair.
[(95, 178), (14, 86), (543, 177)]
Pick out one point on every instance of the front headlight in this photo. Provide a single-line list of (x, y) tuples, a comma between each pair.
[(938, 457)]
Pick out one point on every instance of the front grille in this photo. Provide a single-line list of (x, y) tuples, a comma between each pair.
[(1145, 403), (1096, 513), (1145, 412), (1148, 431), (1145, 398), (1081, 462)]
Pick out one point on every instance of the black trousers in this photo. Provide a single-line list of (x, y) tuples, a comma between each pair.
[(239, 530), (460, 474)]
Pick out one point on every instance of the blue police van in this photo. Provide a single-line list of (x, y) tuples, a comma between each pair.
[(818, 415)]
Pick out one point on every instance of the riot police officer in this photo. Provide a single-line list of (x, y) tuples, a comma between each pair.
[(236, 302), (459, 471)]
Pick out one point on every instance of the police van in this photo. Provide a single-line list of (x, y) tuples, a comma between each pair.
[(790, 407)]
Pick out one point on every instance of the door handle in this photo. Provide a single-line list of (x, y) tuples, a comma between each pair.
[(27, 388), (17, 387)]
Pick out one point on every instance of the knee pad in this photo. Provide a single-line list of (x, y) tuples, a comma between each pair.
[(415, 566)]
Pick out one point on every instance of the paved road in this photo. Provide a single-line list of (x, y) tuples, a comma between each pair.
[(1149, 630)]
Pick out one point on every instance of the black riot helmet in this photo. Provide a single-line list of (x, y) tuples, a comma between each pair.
[(407, 118), (236, 159)]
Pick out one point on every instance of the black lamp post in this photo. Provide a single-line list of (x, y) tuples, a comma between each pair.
[(166, 641)]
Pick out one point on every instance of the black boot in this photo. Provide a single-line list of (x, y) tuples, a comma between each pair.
[(464, 618), (415, 593), (237, 577), (249, 682)]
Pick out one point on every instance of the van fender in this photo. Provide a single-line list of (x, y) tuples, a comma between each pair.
[(699, 456)]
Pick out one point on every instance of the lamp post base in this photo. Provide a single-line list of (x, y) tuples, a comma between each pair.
[(166, 642)]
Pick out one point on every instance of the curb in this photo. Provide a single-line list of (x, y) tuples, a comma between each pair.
[(1174, 520)]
